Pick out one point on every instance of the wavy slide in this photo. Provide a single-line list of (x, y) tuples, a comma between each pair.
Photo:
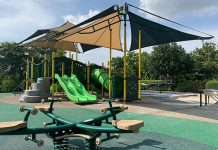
[(75, 90), (101, 77)]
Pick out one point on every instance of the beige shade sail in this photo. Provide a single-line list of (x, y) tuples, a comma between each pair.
[(46, 42), (97, 33)]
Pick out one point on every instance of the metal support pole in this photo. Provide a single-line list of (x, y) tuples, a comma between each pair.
[(124, 62), (102, 87), (62, 70), (32, 69), (88, 76), (139, 63), (53, 67), (200, 99), (205, 100), (70, 54), (110, 59), (71, 64), (45, 65), (76, 52), (27, 74)]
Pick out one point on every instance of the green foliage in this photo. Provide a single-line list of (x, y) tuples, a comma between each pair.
[(212, 84), (117, 66), (205, 60), (13, 62), (169, 62), (152, 87), (8, 83), (132, 63), (152, 81), (59, 53), (190, 86)]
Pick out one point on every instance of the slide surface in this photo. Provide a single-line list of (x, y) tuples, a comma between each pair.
[(74, 90), (100, 76)]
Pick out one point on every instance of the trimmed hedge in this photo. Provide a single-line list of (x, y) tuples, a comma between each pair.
[(213, 84), (163, 88), (152, 81), (190, 86)]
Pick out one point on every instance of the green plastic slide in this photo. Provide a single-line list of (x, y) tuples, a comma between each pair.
[(74, 90), (100, 76)]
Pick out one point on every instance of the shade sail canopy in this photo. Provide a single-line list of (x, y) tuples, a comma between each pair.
[(47, 42), (98, 16), (61, 28), (153, 33), (44, 42), (51, 43), (97, 33)]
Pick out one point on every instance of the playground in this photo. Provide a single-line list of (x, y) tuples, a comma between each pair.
[(69, 104), (168, 125)]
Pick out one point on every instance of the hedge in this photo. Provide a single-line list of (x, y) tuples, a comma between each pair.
[(213, 84), (190, 86)]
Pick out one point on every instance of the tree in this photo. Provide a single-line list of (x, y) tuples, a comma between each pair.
[(117, 66), (205, 61), (145, 67), (13, 61), (8, 83), (132, 64), (170, 62)]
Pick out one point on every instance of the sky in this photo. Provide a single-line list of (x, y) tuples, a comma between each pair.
[(20, 18)]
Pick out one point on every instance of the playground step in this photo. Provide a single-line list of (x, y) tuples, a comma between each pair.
[(12, 126), (32, 92), (41, 86), (43, 80), (130, 125), (30, 99)]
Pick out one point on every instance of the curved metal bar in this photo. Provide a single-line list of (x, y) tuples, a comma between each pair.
[(41, 130), (57, 118)]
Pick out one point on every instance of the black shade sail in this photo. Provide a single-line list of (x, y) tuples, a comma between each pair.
[(96, 17), (153, 33)]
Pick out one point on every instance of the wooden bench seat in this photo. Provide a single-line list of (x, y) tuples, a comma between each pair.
[(130, 125), (43, 107), (12, 126)]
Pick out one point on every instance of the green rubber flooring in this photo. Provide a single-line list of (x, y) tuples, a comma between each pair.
[(159, 132)]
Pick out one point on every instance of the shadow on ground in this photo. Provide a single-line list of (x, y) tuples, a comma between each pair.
[(141, 141)]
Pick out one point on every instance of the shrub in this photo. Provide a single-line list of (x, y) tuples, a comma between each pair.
[(151, 81), (8, 83), (152, 87), (213, 84), (190, 86)]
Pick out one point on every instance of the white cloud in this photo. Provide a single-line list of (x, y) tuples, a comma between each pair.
[(75, 19), (176, 8), (19, 17)]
